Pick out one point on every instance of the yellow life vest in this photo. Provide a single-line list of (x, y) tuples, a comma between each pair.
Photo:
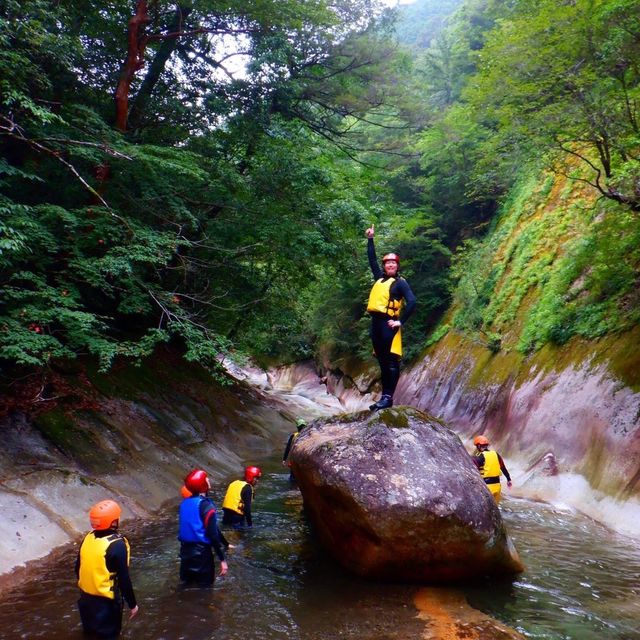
[(380, 302), (232, 499), (95, 579), (491, 472), (380, 299)]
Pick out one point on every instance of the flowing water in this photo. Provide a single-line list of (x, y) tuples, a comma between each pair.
[(581, 583)]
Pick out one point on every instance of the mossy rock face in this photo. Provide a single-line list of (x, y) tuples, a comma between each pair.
[(394, 418), (75, 442)]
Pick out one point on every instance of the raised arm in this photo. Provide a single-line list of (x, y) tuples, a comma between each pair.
[(371, 253)]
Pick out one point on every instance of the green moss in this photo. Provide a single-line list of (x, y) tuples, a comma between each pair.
[(64, 434), (557, 265), (622, 356), (394, 418), (437, 334)]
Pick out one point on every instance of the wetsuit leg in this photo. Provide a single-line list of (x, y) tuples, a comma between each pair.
[(234, 519), (101, 617), (394, 375), (196, 564), (382, 337)]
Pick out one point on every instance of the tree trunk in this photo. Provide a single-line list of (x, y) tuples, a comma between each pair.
[(167, 47), (137, 41)]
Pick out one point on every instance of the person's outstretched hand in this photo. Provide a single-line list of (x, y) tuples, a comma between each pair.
[(370, 232), (134, 612)]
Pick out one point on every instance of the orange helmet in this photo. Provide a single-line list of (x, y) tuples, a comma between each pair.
[(196, 481), (104, 514), (391, 256), (184, 492), (480, 441), (251, 473)]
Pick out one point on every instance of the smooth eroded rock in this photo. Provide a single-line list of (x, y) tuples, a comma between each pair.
[(394, 495)]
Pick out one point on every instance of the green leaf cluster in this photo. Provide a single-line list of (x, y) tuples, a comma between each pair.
[(205, 221)]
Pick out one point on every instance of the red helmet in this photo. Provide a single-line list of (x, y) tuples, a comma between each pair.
[(104, 514), (480, 441), (197, 481), (251, 473), (391, 256)]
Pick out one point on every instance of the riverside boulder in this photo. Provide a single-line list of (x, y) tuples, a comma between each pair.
[(395, 496)]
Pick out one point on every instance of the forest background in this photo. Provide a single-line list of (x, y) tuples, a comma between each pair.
[(201, 175)]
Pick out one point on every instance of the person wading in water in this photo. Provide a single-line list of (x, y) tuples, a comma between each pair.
[(491, 465), (391, 303), (102, 569), (199, 534)]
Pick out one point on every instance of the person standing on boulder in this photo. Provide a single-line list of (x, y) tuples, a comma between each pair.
[(239, 499), (102, 569), (491, 465), (300, 425), (391, 303), (199, 534)]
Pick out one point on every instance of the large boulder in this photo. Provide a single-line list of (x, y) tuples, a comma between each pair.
[(394, 495)]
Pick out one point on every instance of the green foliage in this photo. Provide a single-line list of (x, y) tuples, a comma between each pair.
[(562, 78), (545, 278), (228, 212), (593, 290), (420, 22), (437, 335), (205, 223)]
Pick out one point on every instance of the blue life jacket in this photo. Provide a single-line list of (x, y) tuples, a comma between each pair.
[(192, 527)]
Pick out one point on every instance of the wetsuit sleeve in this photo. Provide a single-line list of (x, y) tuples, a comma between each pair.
[(503, 468), (285, 455), (208, 515), (223, 540), (401, 289), (116, 560), (247, 495), (478, 461), (373, 260)]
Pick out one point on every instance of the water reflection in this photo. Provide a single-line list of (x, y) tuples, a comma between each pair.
[(581, 582)]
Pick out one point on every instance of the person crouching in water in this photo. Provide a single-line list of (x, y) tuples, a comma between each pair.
[(491, 465), (199, 534), (385, 301), (239, 499), (102, 569)]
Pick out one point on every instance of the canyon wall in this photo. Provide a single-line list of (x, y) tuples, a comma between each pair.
[(137, 433), (566, 420)]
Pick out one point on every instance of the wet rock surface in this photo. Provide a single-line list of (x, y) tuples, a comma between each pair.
[(395, 496), (149, 427)]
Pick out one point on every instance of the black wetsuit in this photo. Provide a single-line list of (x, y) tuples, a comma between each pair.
[(196, 558), (236, 519), (381, 334), (102, 617), (285, 455), (287, 449)]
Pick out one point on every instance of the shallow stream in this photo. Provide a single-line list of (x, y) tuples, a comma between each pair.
[(582, 583)]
